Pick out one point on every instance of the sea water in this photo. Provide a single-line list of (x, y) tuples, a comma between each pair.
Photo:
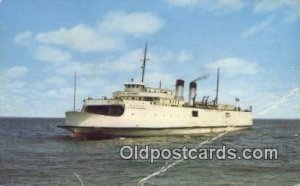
[(33, 151)]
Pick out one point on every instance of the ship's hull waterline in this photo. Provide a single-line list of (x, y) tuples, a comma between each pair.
[(139, 123), (92, 132)]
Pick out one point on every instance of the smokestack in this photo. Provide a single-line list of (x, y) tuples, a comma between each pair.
[(192, 93), (179, 89)]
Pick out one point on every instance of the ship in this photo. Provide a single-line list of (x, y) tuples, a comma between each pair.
[(140, 110)]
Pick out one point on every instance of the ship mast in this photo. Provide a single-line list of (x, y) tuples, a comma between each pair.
[(74, 96), (217, 91), (144, 62)]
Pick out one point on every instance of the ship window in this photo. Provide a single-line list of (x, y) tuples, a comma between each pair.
[(227, 114), (195, 113), (109, 110)]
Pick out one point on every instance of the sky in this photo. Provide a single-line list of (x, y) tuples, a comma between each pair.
[(255, 43)]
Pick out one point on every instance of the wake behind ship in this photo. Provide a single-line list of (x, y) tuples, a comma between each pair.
[(140, 110)]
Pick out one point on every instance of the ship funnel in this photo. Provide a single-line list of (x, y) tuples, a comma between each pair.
[(179, 89), (192, 93)]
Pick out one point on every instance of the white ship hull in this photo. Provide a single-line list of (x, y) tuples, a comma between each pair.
[(143, 119)]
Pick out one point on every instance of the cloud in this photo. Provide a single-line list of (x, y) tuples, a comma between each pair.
[(23, 38), (81, 38), (15, 86), (124, 63), (232, 67), (92, 82), (257, 28), (51, 54), (271, 5), (237, 93), (15, 72), (105, 36), (153, 78), (12, 81), (160, 58), (294, 13), (292, 16), (184, 56), (82, 68), (60, 93), (227, 5), (56, 81), (182, 2), (215, 6), (128, 62), (133, 23), (290, 9)]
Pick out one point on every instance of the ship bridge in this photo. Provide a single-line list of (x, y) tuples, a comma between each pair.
[(139, 91), (134, 86)]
